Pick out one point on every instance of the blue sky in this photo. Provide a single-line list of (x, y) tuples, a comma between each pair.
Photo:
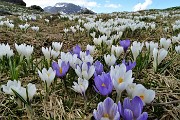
[(108, 6)]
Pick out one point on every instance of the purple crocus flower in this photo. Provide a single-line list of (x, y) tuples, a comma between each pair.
[(98, 68), (132, 110), (61, 68), (76, 50), (125, 44), (103, 84), (129, 65), (106, 110)]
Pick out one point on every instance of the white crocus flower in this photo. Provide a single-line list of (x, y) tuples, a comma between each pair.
[(57, 45), (91, 48), (65, 30), (46, 20), (24, 27), (54, 54), (35, 28), (47, 53), (97, 41), (22, 92), (131, 87), (116, 50), (24, 50), (146, 95), (81, 86), (74, 60), (31, 88), (93, 34), (110, 59), (120, 78), (5, 50), (47, 75), (11, 85), (150, 46), (165, 43), (136, 48), (86, 71), (158, 56), (73, 29), (16, 86), (86, 58), (177, 48)]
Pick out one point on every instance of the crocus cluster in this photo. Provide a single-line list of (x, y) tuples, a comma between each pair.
[(129, 110), (5, 50), (25, 93), (24, 50)]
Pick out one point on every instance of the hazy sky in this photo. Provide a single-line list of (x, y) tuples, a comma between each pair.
[(107, 6)]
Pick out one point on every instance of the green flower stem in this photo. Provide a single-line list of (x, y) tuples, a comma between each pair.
[(118, 97)]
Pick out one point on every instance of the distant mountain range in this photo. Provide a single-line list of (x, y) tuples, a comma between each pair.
[(66, 8)]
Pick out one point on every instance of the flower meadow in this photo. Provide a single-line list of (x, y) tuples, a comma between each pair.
[(100, 67)]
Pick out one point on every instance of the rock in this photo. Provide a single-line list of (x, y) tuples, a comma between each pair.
[(35, 7), (4, 12), (18, 2)]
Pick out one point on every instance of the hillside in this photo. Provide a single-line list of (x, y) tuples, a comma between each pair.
[(7, 8)]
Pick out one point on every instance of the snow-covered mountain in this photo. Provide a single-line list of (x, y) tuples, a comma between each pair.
[(66, 8)]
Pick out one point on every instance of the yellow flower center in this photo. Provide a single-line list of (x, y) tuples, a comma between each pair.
[(60, 70), (142, 97), (48, 74), (106, 115), (103, 85), (120, 80)]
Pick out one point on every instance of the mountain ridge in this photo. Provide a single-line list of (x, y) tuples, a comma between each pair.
[(66, 8)]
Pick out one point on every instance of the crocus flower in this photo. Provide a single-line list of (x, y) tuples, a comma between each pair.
[(103, 84), (125, 44), (98, 68), (110, 59), (65, 30), (74, 60), (165, 43), (47, 75), (57, 46), (177, 48), (97, 41), (120, 77), (136, 48), (5, 50), (90, 48), (158, 55), (47, 53), (81, 86), (11, 85), (31, 90), (16, 86), (34, 28), (54, 54), (76, 50), (86, 57), (116, 50), (132, 109), (86, 70), (106, 110), (129, 65), (61, 68), (150, 46), (24, 50), (146, 95), (131, 88)]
